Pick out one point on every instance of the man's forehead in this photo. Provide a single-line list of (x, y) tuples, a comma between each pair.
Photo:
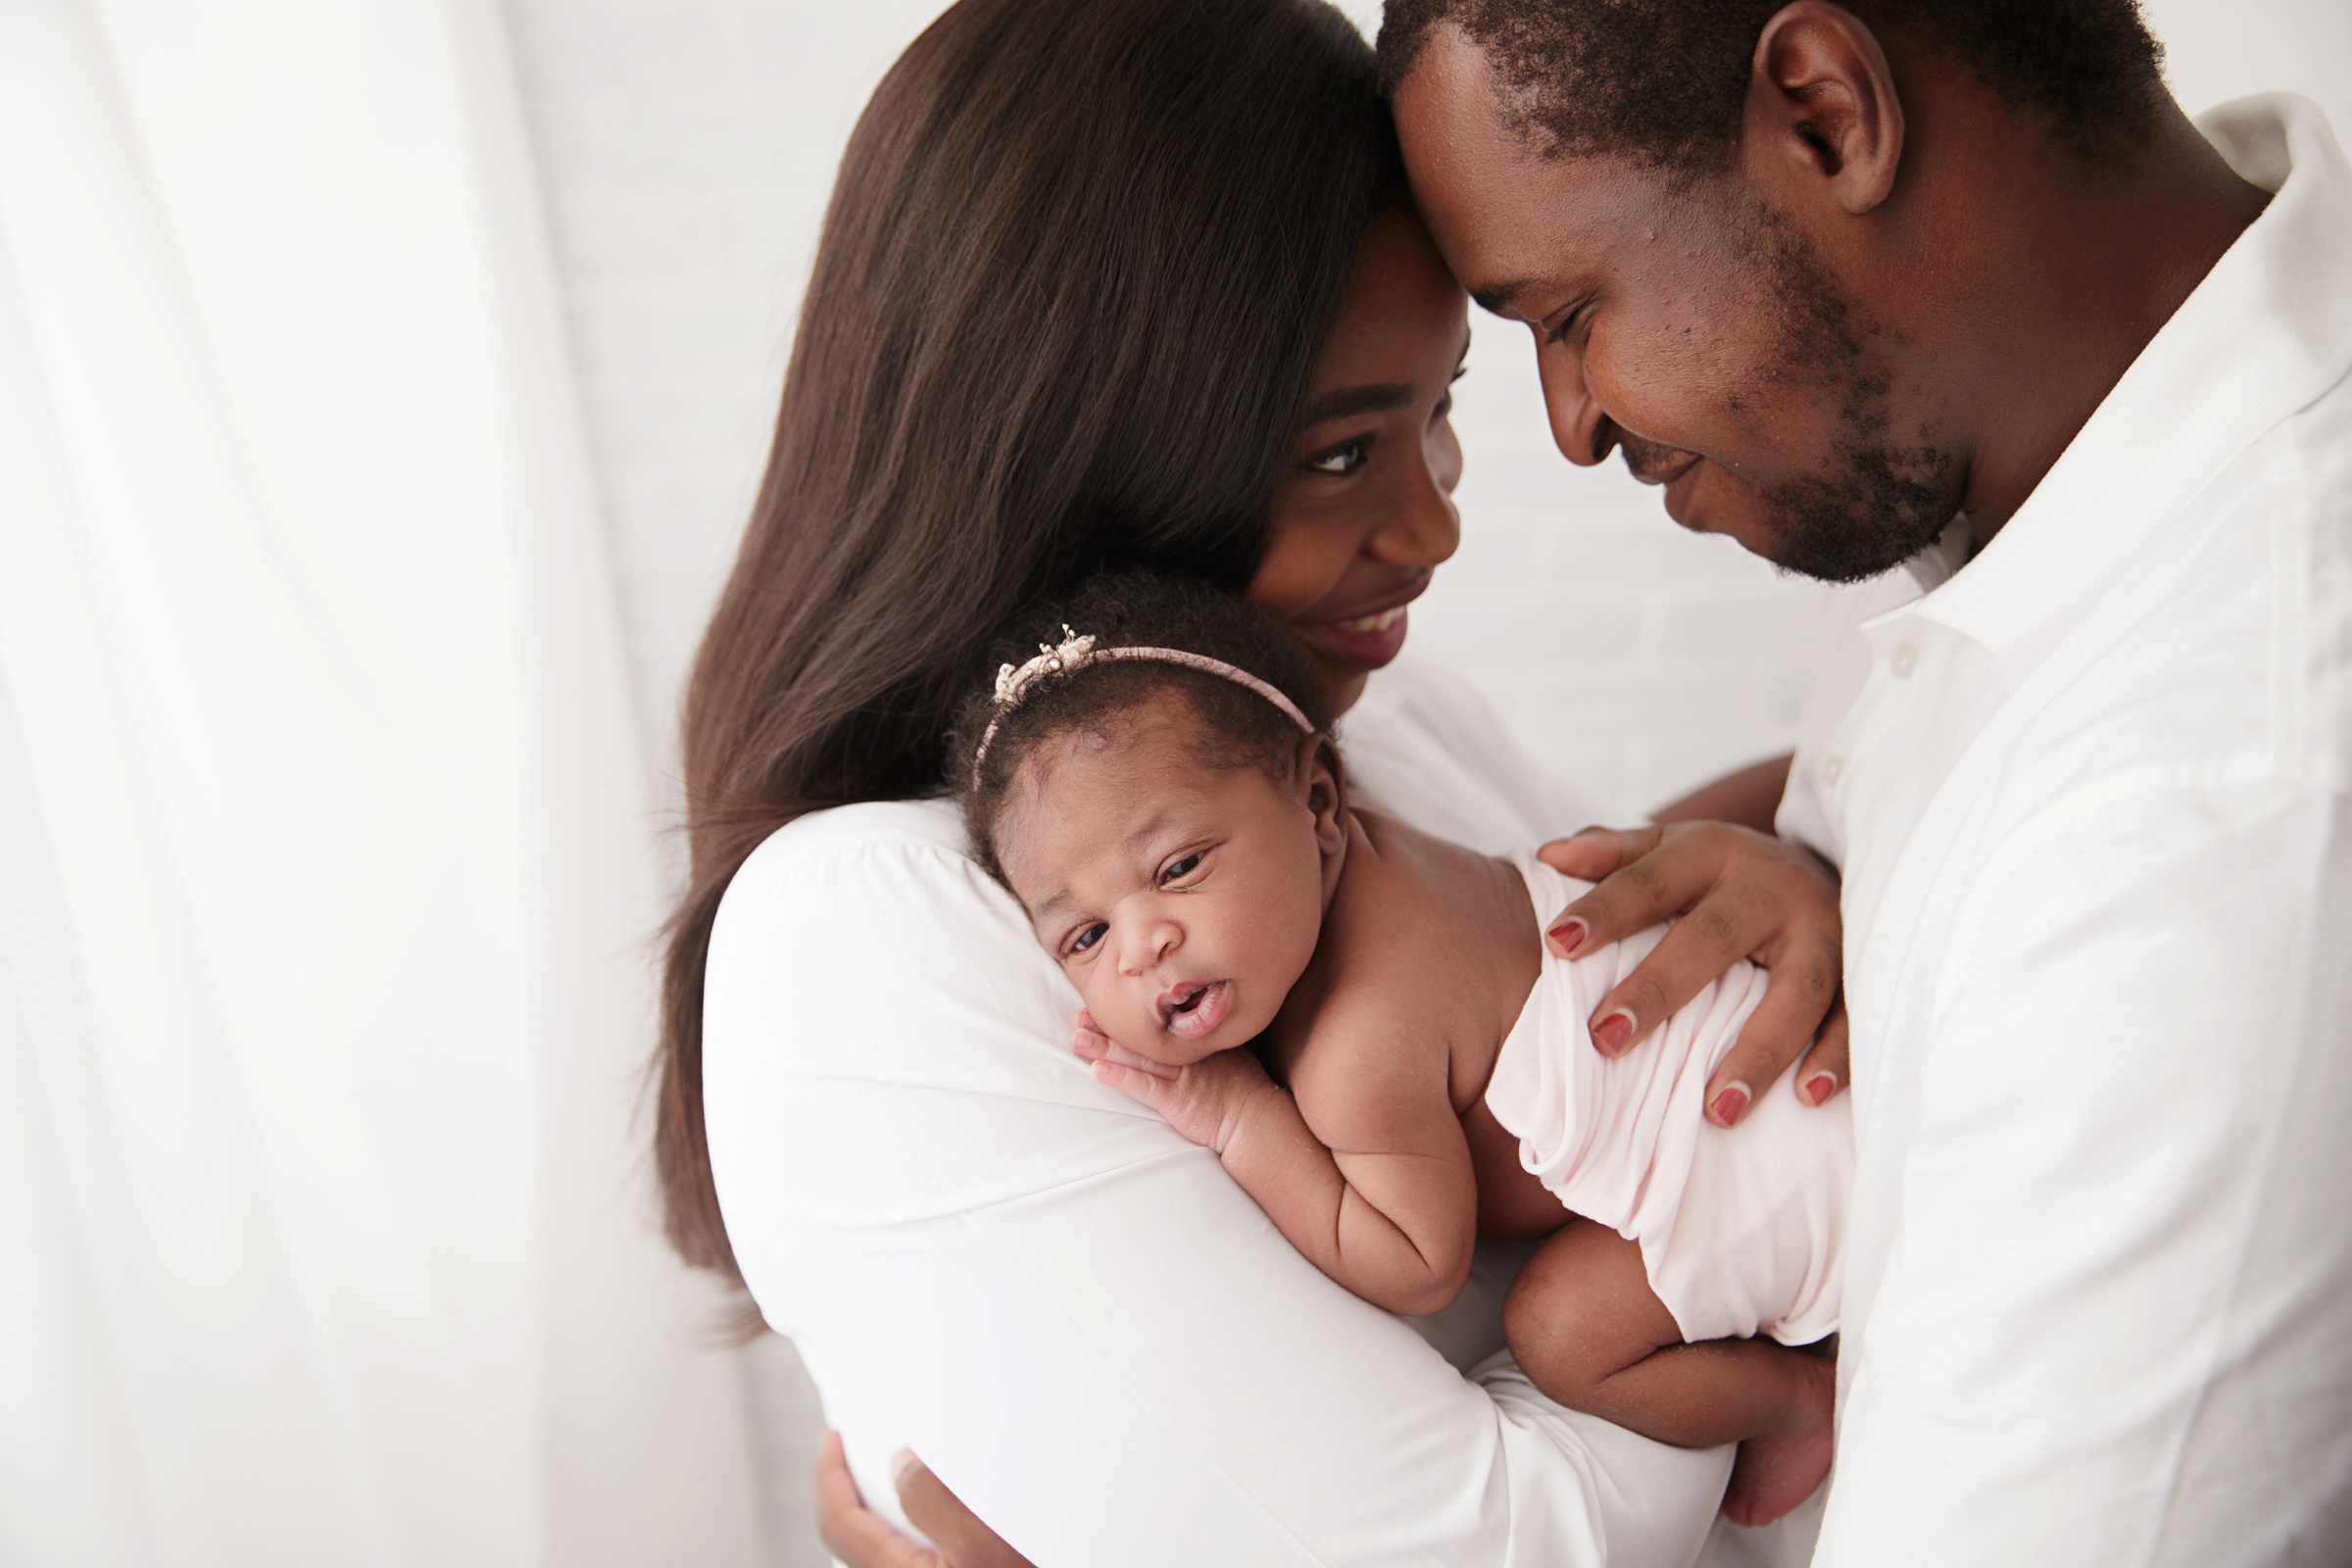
[(1509, 218)]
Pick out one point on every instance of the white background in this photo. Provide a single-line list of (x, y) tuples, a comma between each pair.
[(686, 149)]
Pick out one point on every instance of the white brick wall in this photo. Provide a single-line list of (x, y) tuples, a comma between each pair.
[(687, 148)]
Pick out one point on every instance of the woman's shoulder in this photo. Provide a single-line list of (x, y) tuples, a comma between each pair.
[(849, 860), (826, 880), (872, 917)]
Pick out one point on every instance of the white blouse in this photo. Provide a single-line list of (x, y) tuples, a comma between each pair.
[(1076, 1318)]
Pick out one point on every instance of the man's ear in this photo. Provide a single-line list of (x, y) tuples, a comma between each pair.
[(1822, 103), (1326, 793)]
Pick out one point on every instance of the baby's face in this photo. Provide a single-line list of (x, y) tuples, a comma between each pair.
[(1183, 901)]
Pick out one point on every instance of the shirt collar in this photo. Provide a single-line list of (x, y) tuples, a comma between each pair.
[(2267, 330)]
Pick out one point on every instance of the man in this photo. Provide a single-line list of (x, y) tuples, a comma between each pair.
[(1956, 284)]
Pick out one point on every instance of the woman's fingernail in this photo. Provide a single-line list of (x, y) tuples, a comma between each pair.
[(1567, 937), (1731, 1103), (1614, 1033), (904, 1465), (1820, 1086)]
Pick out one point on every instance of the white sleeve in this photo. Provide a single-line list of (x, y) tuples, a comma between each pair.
[(1074, 1316), (2112, 1320)]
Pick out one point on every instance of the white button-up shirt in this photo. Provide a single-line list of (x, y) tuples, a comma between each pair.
[(2090, 796)]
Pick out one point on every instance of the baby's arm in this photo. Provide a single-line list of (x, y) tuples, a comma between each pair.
[(1387, 1207)]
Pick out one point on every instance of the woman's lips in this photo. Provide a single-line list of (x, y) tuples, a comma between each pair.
[(1360, 642), (1193, 1010)]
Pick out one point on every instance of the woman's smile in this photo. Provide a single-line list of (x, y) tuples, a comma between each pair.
[(1367, 636)]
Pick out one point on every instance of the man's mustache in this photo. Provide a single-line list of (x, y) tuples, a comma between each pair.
[(1646, 459)]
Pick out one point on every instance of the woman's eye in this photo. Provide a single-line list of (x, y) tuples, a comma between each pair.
[(1340, 459), (1567, 323), (1179, 870), (1089, 937)]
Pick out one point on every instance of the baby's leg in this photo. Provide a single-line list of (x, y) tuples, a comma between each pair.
[(1590, 1331)]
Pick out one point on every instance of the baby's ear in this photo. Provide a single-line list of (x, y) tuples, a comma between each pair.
[(1326, 781)]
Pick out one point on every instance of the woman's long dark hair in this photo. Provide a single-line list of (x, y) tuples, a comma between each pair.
[(1076, 269)]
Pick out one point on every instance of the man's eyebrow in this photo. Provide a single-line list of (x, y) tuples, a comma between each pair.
[(1376, 398)]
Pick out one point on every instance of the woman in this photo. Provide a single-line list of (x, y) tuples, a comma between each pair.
[(1108, 283)]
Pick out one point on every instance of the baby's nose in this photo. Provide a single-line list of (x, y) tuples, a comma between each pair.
[(1151, 942)]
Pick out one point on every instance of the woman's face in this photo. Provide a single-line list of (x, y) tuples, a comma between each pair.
[(1367, 512)]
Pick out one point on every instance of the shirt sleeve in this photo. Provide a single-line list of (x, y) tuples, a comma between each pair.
[(2112, 1318), (1074, 1316)]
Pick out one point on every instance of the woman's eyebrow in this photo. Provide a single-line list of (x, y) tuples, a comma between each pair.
[(1376, 398)]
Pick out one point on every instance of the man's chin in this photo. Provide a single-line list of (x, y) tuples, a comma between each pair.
[(1751, 526), (1848, 550)]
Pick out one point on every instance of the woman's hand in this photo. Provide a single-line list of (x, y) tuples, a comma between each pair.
[(1741, 895), (1205, 1102), (863, 1539)]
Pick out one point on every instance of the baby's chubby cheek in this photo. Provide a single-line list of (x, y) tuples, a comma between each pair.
[(1128, 1014)]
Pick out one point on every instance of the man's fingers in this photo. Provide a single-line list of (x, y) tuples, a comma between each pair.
[(1825, 1071), (1595, 851), (1777, 1033), (851, 1531), (940, 1514)]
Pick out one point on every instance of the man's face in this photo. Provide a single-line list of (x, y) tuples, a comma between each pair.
[(1684, 321)]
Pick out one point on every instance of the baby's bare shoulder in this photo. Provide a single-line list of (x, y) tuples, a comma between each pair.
[(1381, 1027)]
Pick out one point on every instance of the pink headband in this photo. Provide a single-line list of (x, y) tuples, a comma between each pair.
[(1075, 653)]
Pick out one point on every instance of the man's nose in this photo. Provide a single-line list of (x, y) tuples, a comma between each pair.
[(1578, 424)]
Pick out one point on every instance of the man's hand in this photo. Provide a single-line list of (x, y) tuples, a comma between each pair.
[(1205, 1102), (1740, 895)]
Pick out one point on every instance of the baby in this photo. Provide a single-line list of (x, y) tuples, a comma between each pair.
[(1161, 790)]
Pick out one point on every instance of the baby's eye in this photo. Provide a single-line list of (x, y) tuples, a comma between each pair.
[(1179, 870), (1089, 937)]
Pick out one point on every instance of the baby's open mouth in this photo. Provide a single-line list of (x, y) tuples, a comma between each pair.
[(1194, 1007)]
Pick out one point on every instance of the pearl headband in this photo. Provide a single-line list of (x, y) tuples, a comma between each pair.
[(1074, 653)]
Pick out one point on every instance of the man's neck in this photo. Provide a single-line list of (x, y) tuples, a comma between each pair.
[(2079, 268)]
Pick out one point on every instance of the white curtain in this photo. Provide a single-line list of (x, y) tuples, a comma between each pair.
[(328, 876)]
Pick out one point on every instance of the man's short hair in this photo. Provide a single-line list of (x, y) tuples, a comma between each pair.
[(1665, 81)]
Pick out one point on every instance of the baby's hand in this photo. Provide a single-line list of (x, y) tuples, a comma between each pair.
[(1204, 1101)]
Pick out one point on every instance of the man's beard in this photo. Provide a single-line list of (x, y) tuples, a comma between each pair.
[(1874, 502)]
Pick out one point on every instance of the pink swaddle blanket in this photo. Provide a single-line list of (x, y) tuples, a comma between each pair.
[(1741, 1232)]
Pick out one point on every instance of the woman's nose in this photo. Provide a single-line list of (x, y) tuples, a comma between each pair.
[(1576, 414), (1423, 527)]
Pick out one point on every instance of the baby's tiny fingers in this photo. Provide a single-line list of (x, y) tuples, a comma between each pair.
[(1119, 1054)]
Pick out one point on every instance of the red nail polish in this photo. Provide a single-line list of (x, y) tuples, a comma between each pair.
[(1730, 1105), (1820, 1086), (1567, 937), (1614, 1033)]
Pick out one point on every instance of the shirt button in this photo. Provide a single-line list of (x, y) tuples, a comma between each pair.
[(1904, 662), (1830, 768)]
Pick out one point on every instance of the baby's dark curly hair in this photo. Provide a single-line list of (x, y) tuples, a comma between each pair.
[(1664, 82), (1237, 727)]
